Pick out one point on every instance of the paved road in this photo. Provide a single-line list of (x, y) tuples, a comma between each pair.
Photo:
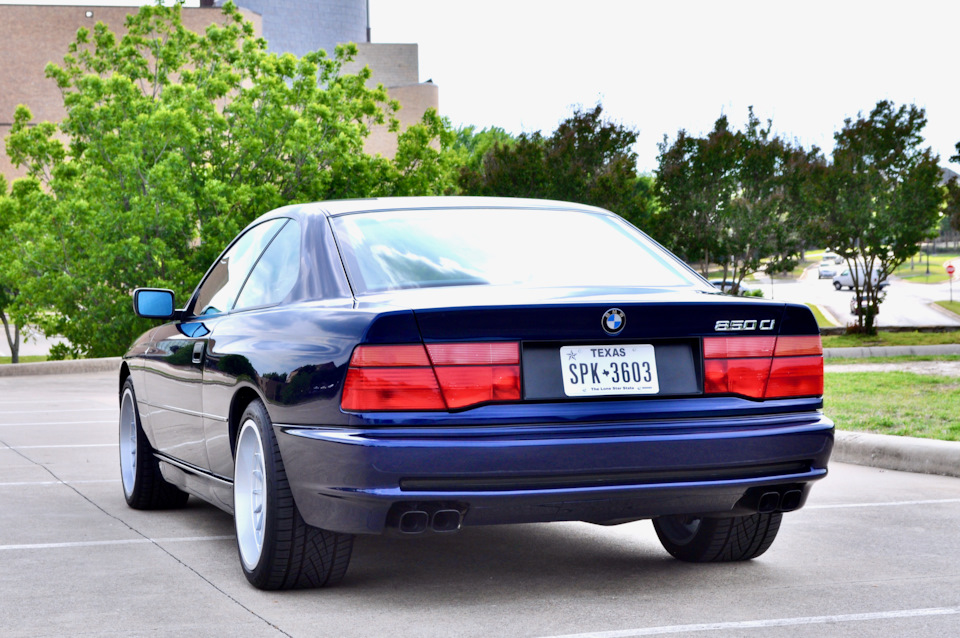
[(906, 304), (875, 553)]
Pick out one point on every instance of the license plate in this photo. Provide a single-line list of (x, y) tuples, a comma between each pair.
[(609, 370)]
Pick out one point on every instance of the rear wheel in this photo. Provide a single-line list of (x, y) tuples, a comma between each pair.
[(143, 485), (278, 550), (707, 540)]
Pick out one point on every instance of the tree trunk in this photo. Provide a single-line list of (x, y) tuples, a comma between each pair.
[(14, 340)]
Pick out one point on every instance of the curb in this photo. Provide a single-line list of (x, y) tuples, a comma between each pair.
[(890, 351), (72, 366), (903, 453)]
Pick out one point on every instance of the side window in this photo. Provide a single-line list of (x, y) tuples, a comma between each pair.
[(275, 274), (221, 286)]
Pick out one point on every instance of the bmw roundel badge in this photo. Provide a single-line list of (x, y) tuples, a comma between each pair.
[(613, 321)]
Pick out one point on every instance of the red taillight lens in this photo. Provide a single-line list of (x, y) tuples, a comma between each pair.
[(795, 377), (389, 356), (391, 389), (469, 385), (469, 354), (796, 346), (736, 376), (763, 367), (452, 375), (737, 347)]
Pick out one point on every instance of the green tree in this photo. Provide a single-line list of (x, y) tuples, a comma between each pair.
[(880, 197), (9, 213), (695, 180), (174, 141), (952, 211), (731, 198), (471, 145), (588, 160)]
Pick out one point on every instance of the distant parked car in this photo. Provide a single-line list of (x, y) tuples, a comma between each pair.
[(834, 257), (826, 270), (858, 305), (846, 279), (745, 290)]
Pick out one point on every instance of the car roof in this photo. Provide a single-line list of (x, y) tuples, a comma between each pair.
[(335, 208)]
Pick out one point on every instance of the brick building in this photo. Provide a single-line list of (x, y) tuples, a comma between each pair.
[(31, 35)]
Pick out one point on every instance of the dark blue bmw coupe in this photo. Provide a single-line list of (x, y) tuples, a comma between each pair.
[(419, 365)]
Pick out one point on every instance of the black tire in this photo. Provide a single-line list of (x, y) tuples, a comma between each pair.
[(277, 548), (144, 487), (837, 286), (712, 540)]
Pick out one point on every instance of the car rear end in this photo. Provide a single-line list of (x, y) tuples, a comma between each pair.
[(478, 402), (527, 427)]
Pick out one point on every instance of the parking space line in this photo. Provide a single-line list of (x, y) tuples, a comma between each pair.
[(41, 483), (884, 504), (47, 447), (762, 624), (51, 411), (8, 425), (129, 541)]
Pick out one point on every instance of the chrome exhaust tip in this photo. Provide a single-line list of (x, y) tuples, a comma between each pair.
[(791, 500), (445, 521), (413, 522), (769, 503)]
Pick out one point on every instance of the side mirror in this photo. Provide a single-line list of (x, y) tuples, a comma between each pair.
[(153, 303)]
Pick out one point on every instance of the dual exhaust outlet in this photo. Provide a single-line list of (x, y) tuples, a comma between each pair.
[(788, 501), (421, 517)]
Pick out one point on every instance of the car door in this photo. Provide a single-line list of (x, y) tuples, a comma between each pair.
[(235, 353), (175, 360)]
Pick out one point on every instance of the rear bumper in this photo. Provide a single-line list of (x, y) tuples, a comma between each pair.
[(357, 480)]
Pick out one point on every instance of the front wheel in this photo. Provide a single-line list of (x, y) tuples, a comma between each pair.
[(837, 285), (708, 540), (144, 487), (278, 550)]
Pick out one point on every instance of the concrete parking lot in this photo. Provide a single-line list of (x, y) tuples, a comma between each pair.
[(876, 552)]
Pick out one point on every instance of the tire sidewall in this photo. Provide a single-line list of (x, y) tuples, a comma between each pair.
[(130, 495), (261, 424)]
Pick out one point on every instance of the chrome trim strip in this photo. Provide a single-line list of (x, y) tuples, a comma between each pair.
[(192, 469), (204, 415)]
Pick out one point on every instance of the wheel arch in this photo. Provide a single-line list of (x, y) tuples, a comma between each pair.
[(124, 375), (241, 399)]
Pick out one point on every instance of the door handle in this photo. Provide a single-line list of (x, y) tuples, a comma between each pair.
[(198, 352)]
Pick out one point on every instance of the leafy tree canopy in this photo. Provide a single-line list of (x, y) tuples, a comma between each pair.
[(731, 198), (880, 197), (9, 213), (588, 160), (174, 141)]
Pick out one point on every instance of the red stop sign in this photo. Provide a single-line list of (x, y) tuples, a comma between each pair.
[(950, 269)]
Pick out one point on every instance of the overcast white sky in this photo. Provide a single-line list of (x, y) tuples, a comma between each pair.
[(662, 66)]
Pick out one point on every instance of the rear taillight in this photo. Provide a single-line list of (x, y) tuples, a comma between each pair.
[(439, 376), (763, 367)]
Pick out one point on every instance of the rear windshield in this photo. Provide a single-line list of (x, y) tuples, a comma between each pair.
[(394, 250)]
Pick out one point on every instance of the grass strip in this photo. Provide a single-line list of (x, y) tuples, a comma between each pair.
[(899, 403), (952, 306), (915, 270), (35, 358), (822, 321), (901, 359), (891, 339)]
